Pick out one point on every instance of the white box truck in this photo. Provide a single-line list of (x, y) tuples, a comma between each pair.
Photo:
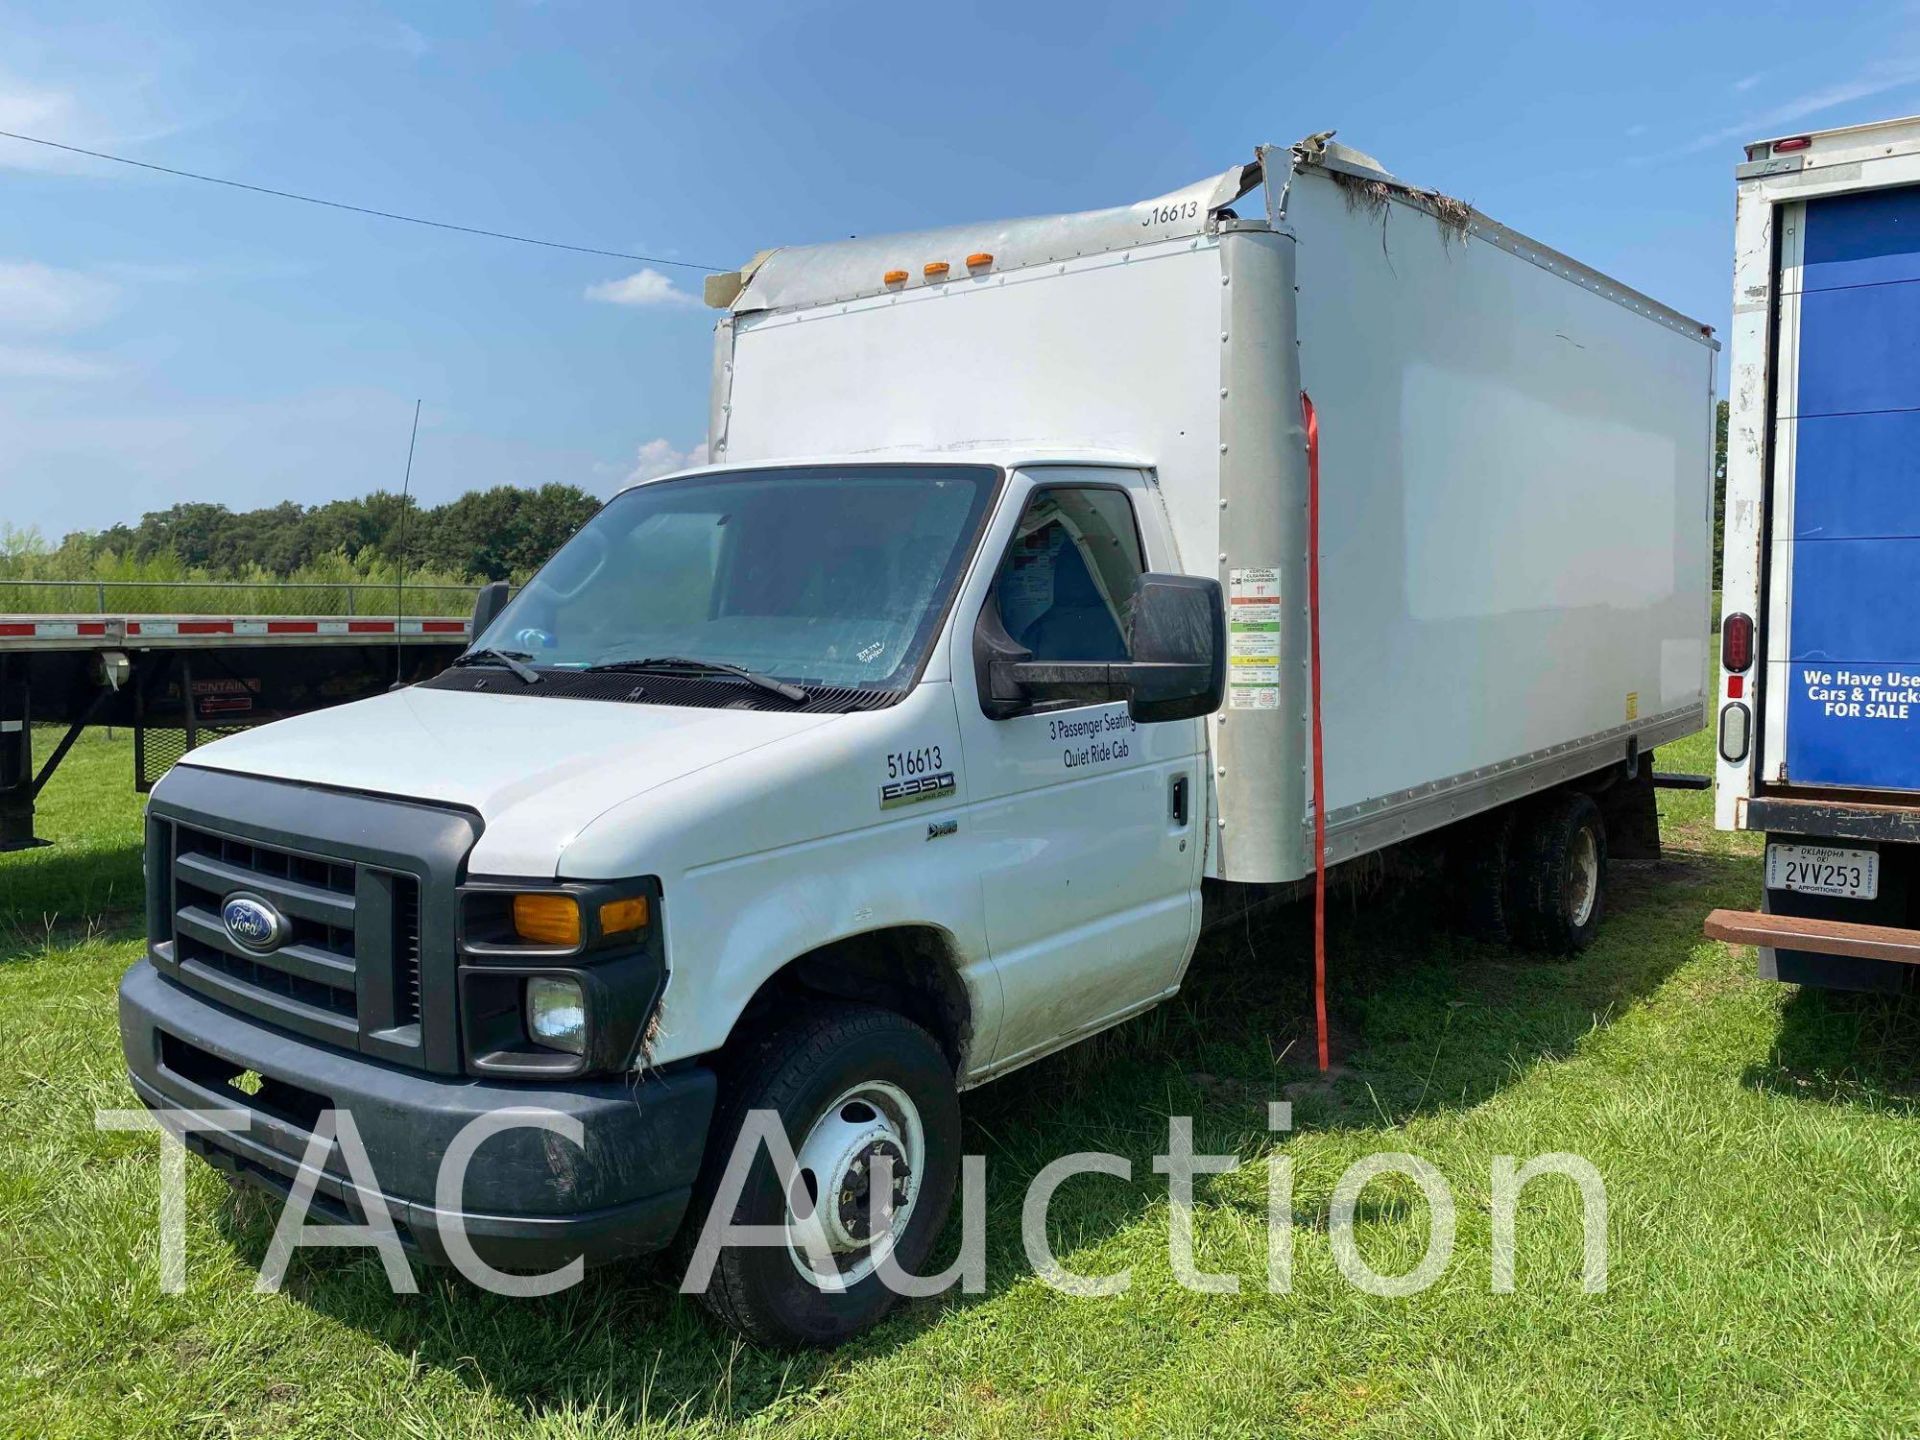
[(1819, 701), (920, 733)]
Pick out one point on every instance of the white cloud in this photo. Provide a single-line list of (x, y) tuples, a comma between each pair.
[(47, 113), (663, 457), (125, 121), (1876, 78), (644, 287), (1747, 82), (27, 362), (25, 109), (38, 299), (400, 36)]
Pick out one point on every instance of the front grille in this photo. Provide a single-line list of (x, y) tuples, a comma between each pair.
[(267, 978), (267, 861), (349, 965), (406, 951)]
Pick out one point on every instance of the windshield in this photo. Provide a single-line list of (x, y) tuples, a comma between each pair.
[(823, 575)]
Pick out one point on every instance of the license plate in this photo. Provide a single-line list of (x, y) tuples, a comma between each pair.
[(1824, 870)]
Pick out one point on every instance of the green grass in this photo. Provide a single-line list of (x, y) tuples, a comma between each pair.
[(1760, 1146)]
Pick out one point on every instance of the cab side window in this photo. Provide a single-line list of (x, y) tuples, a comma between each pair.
[(1069, 574)]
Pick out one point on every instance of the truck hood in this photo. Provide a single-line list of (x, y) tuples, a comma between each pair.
[(537, 770)]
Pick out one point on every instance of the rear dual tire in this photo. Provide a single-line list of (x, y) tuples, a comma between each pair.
[(1533, 875), (1557, 874)]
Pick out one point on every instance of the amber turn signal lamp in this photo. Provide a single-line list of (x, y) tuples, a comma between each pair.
[(618, 917), (547, 919)]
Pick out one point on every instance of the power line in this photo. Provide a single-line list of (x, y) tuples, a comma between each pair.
[(356, 209)]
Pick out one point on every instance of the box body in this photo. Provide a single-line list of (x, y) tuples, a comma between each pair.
[(1515, 459)]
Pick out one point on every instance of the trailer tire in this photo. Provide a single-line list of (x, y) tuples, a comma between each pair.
[(1557, 874), (1477, 875), (846, 1080)]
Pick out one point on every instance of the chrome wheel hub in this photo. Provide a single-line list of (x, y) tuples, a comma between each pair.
[(871, 1131), (1583, 877)]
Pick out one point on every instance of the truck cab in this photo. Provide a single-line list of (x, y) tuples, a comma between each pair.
[(761, 752)]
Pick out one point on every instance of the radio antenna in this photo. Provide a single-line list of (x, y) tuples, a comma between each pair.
[(400, 558)]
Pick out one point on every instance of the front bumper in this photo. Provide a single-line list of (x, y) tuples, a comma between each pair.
[(532, 1200)]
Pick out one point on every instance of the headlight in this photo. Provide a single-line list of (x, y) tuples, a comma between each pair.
[(557, 1014), (558, 978)]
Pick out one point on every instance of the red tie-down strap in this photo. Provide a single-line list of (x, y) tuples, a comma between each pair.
[(1319, 766)]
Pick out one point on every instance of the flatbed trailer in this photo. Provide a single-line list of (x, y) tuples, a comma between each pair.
[(179, 680)]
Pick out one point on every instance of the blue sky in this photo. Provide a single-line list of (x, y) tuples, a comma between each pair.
[(162, 340)]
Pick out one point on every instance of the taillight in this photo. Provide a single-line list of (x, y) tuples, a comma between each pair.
[(1736, 643)]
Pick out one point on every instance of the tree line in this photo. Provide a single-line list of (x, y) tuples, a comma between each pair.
[(498, 534)]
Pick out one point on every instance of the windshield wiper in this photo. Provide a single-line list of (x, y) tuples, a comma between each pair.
[(510, 658), (669, 664)]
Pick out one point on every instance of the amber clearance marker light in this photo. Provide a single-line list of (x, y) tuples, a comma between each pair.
[(547, 919), (979, 260), (936, 270), (617, 917), (894, 277)]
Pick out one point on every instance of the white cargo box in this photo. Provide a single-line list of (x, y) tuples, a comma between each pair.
[(1515, 458)]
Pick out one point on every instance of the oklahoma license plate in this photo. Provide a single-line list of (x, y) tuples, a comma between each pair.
[(1824, 870)]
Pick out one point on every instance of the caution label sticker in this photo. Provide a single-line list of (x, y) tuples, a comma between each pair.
[(1253, 640)]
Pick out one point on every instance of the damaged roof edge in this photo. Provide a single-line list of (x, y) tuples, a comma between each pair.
[(1346, 165), (806, 275), (851, 269)]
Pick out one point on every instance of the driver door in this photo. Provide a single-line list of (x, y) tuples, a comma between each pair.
[(1085, 821)]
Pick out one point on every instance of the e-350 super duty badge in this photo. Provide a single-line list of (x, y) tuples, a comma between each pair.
[(915, 789)]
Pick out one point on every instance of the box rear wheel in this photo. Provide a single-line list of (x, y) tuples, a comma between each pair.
[(1478, 863), (1557, 873)]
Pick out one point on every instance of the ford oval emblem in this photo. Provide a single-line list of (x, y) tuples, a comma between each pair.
[(253, 922)]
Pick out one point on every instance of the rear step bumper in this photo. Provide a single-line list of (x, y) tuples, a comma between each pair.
[(1833, 819), (1819, 937)]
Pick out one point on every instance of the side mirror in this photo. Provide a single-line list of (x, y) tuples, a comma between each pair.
[(487, 606), (1176, 641)]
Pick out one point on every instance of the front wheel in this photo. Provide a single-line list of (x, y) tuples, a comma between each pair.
[(849, 1084)]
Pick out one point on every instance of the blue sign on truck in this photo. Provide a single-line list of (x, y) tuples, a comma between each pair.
[(1853, 708)]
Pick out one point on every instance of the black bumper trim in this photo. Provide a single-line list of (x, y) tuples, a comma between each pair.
[(532, 1200), (1823, 820)]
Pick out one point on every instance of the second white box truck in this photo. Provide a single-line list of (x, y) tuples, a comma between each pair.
[(920, 733)]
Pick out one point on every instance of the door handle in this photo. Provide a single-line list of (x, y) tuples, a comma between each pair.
[(1179, 799)]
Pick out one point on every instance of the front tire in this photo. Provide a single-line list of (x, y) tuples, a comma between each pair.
[(848, 1082)]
